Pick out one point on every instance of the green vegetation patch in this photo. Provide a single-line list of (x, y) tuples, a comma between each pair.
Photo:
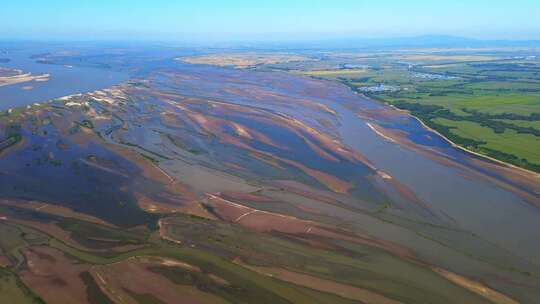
[(13, 291), (355, 265), (494, 105), (524, 146), (95, 295), (13, 238), (87, 234), (143, 298)]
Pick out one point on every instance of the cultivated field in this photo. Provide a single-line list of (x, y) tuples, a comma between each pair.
[(243, 60), (487, 101)]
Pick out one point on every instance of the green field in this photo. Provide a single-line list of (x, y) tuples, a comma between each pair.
[(489, 106), (524, 145), (12, 291)]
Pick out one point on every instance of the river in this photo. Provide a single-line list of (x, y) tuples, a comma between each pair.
[(63, 80), (480, 196)]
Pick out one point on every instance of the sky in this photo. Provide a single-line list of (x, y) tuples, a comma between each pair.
[(178, 20)]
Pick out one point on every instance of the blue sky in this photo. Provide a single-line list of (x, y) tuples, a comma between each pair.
[(266, 19)]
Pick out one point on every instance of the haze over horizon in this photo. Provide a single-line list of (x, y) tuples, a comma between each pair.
[(266, 20)]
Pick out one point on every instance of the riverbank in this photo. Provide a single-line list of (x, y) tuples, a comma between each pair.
[(22, 78), (453, 144)]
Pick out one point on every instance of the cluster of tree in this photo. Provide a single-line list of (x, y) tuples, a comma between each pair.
[(428, 112), (493, 121), (511, 159), (506, 67)]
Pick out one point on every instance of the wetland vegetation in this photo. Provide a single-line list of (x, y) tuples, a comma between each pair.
[(263, 178), (487, 102)]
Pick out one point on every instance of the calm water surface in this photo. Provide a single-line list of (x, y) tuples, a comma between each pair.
[(64, 80), (478, 205)]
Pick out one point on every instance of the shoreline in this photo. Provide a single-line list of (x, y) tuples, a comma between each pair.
[(424, 125), (455, 145), (23, 78)]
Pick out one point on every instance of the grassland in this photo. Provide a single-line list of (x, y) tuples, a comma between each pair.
[(12, 240), (214, 247), (243, 60), (527, 145), (246, 287), (13, 291), (340, 73), (243, 285), (356, 266), (486, 103)]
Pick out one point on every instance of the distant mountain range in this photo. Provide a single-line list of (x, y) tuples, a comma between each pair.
[(342, 43)]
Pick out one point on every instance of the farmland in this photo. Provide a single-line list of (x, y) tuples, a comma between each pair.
[(493, 97)]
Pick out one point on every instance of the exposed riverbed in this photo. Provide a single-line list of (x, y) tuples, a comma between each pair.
[(63, 80)]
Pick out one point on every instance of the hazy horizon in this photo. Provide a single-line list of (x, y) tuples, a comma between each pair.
[(267, 20)]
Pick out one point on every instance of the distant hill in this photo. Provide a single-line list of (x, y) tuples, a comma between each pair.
[(426, 41), (448, 41)]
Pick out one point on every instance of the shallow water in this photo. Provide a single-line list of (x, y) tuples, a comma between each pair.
[(476, 203), (460, 192), (63, 81)]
